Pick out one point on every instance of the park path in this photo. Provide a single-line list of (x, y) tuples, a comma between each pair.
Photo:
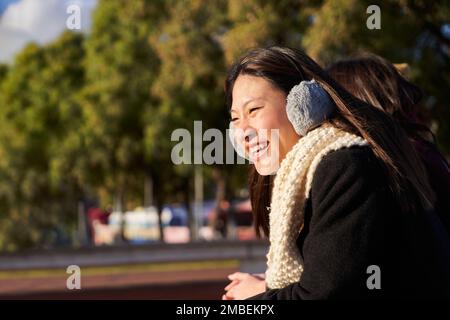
[(207, 283)]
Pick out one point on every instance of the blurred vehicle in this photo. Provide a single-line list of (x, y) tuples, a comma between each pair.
[(176, 223), (139, 226), (228, 220)]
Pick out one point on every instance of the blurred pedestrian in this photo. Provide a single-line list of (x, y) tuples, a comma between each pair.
[(378, 82)]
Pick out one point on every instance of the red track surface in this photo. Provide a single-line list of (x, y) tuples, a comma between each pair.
[(185, 285)]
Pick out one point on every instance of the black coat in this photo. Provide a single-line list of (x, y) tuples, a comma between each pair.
[(351, 223)]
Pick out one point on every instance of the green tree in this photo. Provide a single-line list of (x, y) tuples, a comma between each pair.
[(37, 107), (120, 69), (411, 32), (189, 85), (256, 23)]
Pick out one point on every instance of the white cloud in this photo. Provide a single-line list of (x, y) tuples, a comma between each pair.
[(40, 21)]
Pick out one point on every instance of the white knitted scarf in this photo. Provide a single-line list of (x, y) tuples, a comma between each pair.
[(290, 192)]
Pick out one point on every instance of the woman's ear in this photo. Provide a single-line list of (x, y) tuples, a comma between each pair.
[(307, 106)]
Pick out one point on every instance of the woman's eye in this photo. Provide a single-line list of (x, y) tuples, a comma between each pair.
[(233, 119), (253, 109)]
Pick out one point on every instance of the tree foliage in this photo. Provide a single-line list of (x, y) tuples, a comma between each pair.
[(92, 115)]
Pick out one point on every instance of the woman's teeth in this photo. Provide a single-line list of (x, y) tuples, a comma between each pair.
[(257, 150)]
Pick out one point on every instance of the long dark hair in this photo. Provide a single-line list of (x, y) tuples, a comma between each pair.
[(285, 67), (375, 80)]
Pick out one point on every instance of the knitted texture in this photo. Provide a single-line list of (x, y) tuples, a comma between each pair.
[(291, 189), (308, 105)]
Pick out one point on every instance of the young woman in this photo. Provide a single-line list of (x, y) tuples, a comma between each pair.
[(377, 82), (349, 211)]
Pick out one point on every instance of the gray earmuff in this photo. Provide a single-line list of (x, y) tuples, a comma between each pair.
[(307, 106)]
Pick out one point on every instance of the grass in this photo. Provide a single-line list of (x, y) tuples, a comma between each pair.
[(120, 269)]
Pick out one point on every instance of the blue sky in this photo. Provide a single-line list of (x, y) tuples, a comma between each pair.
[(4, 4), (40, 21)]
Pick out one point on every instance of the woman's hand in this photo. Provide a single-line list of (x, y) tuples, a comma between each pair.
[(243, 286)]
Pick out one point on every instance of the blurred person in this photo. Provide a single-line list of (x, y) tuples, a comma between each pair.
[(221, 218), (376, 81), (344, 191), (98, 217)]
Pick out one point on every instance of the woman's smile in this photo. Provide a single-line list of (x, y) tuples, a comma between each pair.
[(257, 151)]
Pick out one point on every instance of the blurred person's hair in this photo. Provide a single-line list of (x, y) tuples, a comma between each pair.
[(378, 82), (287, 67), (382, 84)]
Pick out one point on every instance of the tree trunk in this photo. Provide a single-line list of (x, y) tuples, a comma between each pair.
[(187, 204)]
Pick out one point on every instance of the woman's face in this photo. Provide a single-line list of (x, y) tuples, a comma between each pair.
[(258, 108)]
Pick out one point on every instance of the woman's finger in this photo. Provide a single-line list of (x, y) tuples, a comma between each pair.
[(225, 297), (237, 276), (231, 285)]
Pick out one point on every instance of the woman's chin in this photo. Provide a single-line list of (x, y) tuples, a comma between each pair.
[(266, 170)]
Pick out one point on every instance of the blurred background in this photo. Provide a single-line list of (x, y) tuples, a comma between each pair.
[(87, 108)]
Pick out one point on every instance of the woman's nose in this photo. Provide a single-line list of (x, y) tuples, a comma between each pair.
[(243, 133), (249, 134)]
